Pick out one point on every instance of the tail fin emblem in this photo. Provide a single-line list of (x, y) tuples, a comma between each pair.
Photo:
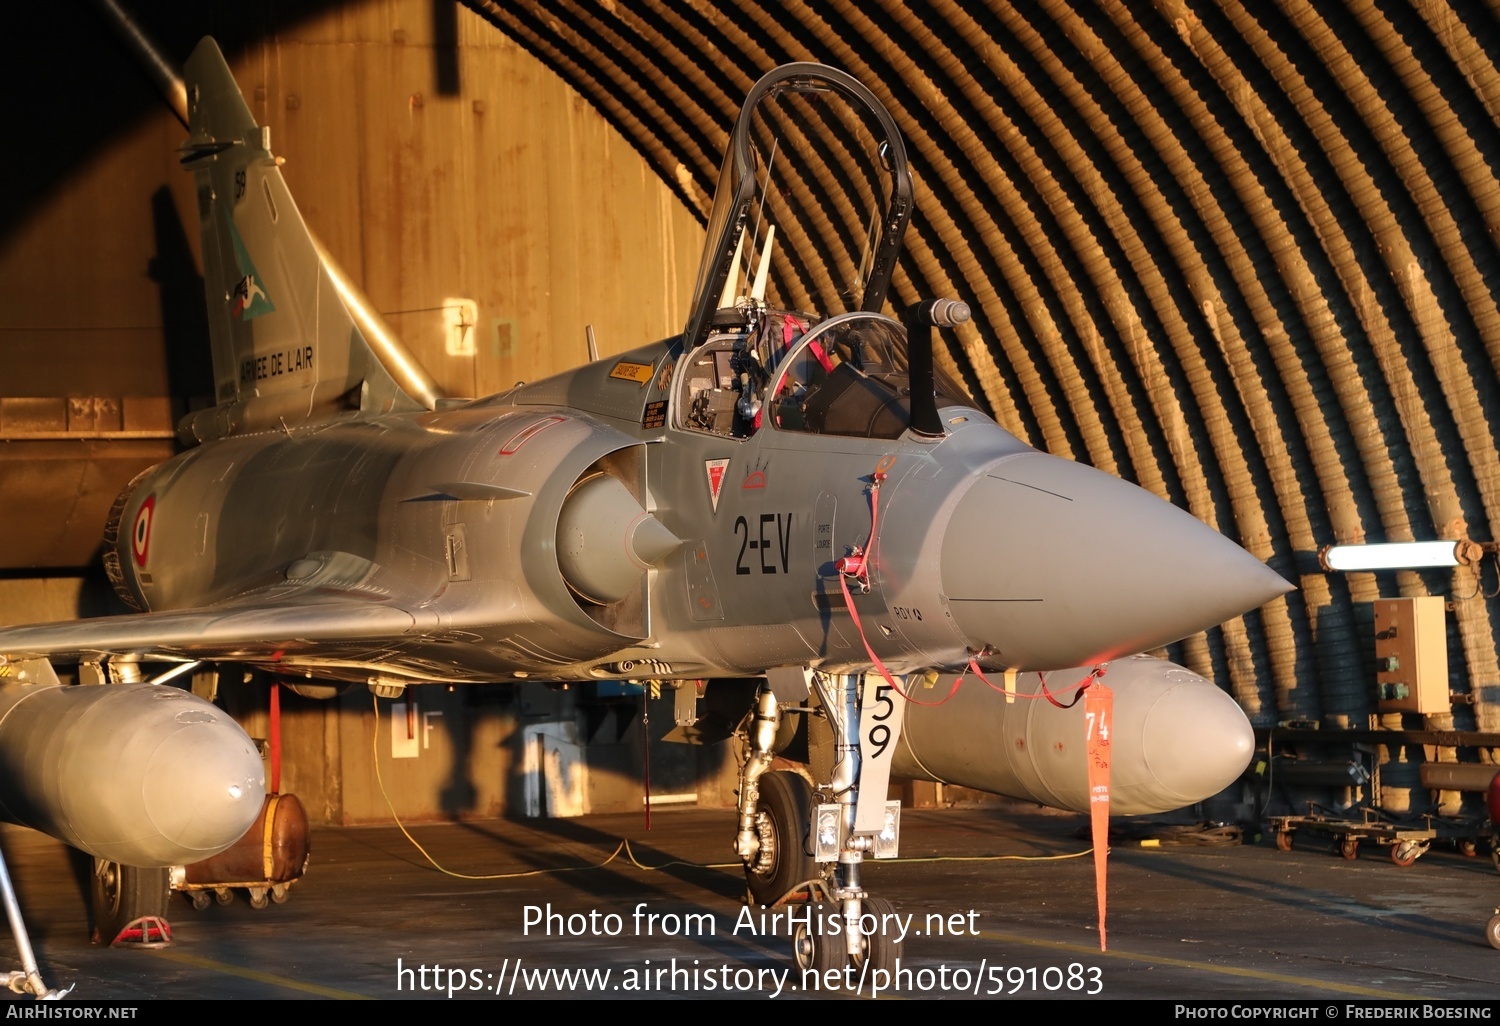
[(246, 295), (250, 300)]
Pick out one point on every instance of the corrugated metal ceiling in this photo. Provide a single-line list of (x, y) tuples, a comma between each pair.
[(1245, 255)]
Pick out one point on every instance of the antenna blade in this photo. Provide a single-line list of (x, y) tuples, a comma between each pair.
[(732, 283), (758, 292)]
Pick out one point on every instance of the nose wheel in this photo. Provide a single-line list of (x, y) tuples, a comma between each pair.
[(813, 951), (879, 947), (821, 943)]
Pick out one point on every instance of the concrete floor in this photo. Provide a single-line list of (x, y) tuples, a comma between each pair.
[(1242, 922)]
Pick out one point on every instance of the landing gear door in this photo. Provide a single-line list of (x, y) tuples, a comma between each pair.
[(882, 710)]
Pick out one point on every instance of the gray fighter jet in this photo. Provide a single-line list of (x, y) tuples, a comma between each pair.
[(788, 499)]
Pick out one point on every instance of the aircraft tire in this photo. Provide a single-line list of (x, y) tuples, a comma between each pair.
[(1492, 931), (784, 817), (123, 894), (879, 949), (817, 952)]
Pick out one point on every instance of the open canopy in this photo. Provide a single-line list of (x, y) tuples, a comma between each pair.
[(813, 200)]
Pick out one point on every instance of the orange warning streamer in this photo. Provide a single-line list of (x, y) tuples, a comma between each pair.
[(1099, 716)]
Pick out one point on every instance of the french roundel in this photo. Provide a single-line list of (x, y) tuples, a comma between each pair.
[(140, 536)]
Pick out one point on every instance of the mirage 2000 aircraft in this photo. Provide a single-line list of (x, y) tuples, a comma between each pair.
[(787, 499)]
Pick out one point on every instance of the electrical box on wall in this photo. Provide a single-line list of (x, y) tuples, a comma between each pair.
[(1411, 655)]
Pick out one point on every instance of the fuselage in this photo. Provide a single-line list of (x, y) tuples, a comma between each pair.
[(472, 520)]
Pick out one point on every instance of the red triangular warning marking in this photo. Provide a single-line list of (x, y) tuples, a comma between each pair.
[(715, 470)]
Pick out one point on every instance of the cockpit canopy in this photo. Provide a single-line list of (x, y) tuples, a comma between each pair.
[(813, 200)]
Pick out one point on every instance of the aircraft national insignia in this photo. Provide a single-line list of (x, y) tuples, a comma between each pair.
[(715, 470), (140, 535), (249, 300)]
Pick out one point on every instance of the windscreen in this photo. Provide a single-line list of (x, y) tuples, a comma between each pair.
[(851, 376)]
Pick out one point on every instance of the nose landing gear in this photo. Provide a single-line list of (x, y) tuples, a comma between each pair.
[(795, 841)]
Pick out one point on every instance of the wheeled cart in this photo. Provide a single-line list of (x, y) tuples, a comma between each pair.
[(1407, 842), (266, 861)]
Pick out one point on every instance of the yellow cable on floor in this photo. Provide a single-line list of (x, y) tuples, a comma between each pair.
[(624, 845)]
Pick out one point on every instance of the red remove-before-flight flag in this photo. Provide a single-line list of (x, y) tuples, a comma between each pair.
[(1099, 714)]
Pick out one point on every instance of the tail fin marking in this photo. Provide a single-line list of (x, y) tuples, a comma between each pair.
[(285, 348)]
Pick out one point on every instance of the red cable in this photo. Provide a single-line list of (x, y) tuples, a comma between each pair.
[(849, 604), (1081, 686), (857, 565)]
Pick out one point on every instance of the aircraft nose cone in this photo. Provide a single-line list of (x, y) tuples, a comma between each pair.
[(1053, 564), (203, 786)]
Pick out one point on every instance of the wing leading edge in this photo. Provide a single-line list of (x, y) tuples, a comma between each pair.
[(342, 628)]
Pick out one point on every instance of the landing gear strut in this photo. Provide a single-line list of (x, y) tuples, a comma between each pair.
[(791, 835)]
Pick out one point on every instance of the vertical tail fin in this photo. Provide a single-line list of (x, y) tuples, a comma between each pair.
[(286, 349)]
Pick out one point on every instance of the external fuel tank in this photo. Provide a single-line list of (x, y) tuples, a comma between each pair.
[(1176, 738)]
